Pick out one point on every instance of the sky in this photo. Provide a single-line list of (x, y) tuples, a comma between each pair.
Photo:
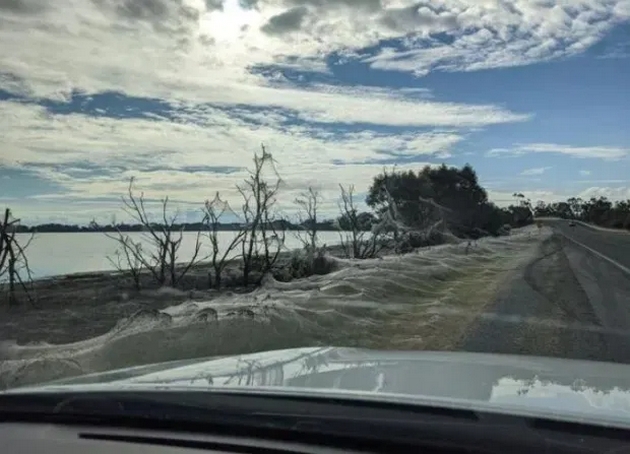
[(179, 94)]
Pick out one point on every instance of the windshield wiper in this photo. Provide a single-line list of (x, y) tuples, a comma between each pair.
[(203, 405), (324, 421), (235, 412)]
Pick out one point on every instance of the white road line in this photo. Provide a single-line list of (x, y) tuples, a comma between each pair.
[(599, 254)]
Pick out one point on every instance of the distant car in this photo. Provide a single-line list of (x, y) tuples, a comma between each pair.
[(571, 223)]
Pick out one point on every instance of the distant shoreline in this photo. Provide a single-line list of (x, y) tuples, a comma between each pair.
[(326, 226)]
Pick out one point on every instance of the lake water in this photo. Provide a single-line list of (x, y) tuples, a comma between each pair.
[(52, 254)]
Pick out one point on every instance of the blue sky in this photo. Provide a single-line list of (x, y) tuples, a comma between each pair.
[(181, 93)]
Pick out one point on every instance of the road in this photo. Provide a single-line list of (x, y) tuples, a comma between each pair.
[(612, 244), (572, 301)]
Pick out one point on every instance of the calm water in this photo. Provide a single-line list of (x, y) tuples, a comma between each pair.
[(53, 254)]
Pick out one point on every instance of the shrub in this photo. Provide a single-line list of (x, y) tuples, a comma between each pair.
[(302, 263)]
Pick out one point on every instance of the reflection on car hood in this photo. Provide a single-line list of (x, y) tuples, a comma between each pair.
[(515, 384)]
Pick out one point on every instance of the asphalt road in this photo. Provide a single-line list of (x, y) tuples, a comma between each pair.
[(612, 244), (572, 301)]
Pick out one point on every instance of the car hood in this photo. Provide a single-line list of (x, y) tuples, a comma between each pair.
[(556, 388)]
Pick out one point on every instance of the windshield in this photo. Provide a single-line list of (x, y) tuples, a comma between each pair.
[(190, 179)]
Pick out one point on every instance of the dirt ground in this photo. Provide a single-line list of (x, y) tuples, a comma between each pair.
[(70, 308), (74, 307)]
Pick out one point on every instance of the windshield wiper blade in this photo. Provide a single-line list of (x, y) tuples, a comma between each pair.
[(318, 420), (203, 403), (296, 413), (105, 406)]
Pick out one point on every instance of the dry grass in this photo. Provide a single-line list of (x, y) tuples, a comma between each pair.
[(438, 324)]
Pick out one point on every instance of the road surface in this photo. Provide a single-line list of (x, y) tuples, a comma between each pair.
[(573, 301)]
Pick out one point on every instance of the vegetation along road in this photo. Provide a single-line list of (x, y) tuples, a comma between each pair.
[(572, 301)]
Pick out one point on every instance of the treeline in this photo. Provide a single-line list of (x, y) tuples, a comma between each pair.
[(408, 210), (599, 211), (449, 196), (328, 225), (420, 198)]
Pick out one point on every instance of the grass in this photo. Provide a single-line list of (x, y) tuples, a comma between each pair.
[(430, 324)]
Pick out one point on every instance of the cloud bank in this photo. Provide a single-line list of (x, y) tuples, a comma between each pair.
[(199, 59)]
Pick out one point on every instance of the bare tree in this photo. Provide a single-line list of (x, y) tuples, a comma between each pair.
[(356, 237), (164, 238), (13, 260), (272, 231), (264, 235), (308, 202), (128, 257), (214, 211)]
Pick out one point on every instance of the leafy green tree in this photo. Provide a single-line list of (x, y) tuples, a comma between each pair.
[(450, 194)]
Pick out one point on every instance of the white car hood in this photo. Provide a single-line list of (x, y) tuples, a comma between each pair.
[(564, 389)]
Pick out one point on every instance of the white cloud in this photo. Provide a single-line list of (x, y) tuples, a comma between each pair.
[(198, 55), (607, 153), (180, 53), (506, 198), (207, 137), (64, 210), (535, 171), (500, 34), (184, 50), (612, 193), (585, 172), (94, 157), (608, 181)]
